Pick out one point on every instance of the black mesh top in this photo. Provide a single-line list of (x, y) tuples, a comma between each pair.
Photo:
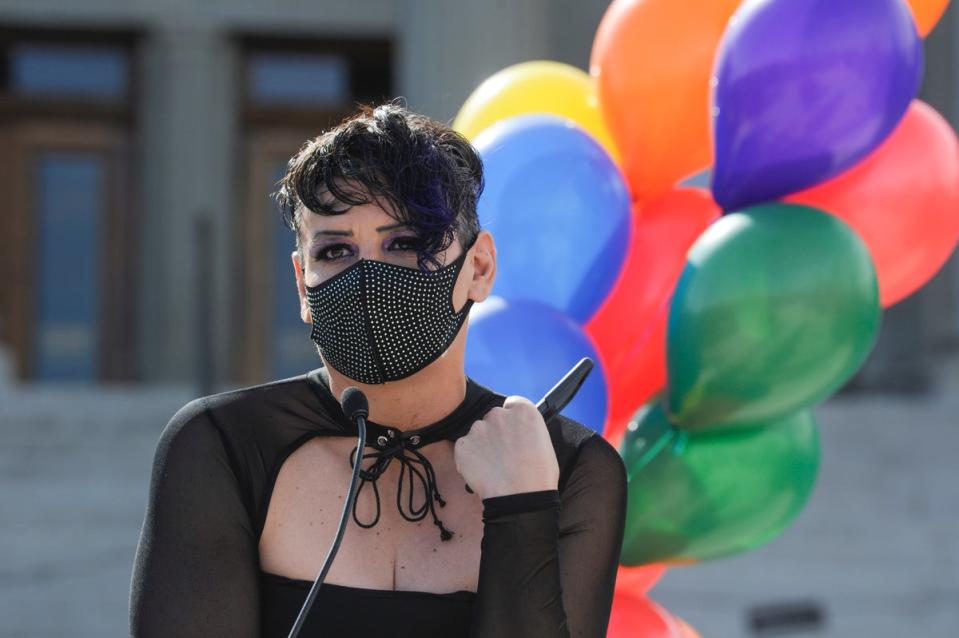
[(548, 559)]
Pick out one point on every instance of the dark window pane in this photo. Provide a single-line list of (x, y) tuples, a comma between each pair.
[(279, 79), (70, 201), (69, 70), (292, 351)]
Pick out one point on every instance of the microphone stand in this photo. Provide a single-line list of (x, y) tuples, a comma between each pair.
[(358, 412)]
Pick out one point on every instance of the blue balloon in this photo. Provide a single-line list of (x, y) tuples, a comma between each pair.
[(804, 89), (523, 347), (559, 212)]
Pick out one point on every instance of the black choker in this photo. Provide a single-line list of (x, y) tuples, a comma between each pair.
[(404, 445), (403, 449)]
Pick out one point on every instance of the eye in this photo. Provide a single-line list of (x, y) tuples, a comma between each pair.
[(405, 242), (333, 252)]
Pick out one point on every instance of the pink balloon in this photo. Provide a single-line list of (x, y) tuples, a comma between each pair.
[(685, 629)]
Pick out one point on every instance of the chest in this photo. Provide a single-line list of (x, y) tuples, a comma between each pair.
[(308, 498)]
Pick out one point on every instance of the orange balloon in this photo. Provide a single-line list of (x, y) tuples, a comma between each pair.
[(639, 579), (629, 329), (902, 200), (633, 616), (653, 60), (927, 13)]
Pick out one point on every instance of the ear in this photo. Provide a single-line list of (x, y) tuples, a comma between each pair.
[(483, 267), (305, 314)]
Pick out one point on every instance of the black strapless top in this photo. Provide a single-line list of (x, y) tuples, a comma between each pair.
[(342, 610)]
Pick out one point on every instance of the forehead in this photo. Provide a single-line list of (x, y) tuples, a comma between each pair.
[(363, 215), (375, 213)]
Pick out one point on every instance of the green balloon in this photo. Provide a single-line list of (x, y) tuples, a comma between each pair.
[(695, 497), (778, 306)]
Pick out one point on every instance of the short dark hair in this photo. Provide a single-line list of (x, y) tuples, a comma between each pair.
[(430, 176)]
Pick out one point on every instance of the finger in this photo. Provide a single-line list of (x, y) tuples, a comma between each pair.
[(479, 426), (516, 400), (493, 411), (520, 404)]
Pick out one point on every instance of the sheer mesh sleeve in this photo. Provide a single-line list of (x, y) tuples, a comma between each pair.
[(549, 558), (195, 571)]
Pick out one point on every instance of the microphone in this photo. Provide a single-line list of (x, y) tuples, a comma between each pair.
[(356, 406)]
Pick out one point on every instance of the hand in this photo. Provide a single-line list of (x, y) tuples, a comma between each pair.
[(508, 451)]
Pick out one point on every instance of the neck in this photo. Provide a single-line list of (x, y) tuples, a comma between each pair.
[(418, 400)]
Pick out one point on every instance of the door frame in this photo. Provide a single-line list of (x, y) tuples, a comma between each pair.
[(23, 140)]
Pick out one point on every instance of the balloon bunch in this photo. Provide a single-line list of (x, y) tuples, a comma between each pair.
[(569, 246), (719, 318), (559, 209), (779, 303)]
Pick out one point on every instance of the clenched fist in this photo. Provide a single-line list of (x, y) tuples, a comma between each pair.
[(508, 451)]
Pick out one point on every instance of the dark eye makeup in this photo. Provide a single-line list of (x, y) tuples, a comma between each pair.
[(404, 242), (340, 250), (332, 252)]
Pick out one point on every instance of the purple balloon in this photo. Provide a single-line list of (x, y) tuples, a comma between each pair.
[(804, 89)]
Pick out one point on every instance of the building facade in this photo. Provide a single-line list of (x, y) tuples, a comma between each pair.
[(140, 142)]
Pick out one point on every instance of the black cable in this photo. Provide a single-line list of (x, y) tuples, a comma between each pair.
[(357, 408)]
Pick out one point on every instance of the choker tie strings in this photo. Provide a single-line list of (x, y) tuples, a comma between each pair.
[(403, 450)]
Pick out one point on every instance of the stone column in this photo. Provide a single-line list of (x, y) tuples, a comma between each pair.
[(187, 123), (447, 47)]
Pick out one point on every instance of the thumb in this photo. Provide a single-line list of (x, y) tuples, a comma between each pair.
[(513, 401)]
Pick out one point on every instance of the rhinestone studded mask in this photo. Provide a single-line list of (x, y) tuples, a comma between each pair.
[(377, 322)]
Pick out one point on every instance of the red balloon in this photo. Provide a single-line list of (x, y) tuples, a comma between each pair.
[(638, 580), (634, 616), (629, 329), (638, 385), (902, 200)]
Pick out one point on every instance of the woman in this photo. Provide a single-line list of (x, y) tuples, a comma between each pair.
[(525, 517)]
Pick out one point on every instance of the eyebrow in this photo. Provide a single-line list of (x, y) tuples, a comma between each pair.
[(349, 233)]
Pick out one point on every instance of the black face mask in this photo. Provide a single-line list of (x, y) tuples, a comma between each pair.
[(377, 322)]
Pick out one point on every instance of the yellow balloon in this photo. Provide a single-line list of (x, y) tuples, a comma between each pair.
[(540, 86)]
